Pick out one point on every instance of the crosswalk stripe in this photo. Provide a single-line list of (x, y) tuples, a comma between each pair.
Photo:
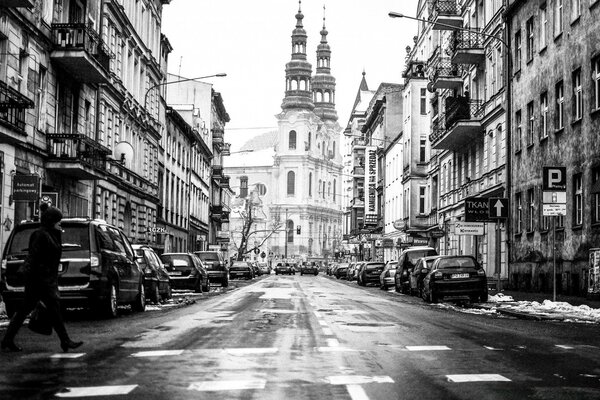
[(157, 353), (562, 346), (215, 386), (96, 391), (357, 379), (356, 392), (427, 348), (67, 355), (461, 378)]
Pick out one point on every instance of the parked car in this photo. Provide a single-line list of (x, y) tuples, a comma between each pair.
[(309, 267), (406, 262), (455, 277), (186, 271), (98, 267), (341, 270), (254, 266), (418, 273), (215, 265), (352, 273), (284, 268), (241, 269), (157, 283), (386, 279), (264, 268), (369, 272), (330, 268)]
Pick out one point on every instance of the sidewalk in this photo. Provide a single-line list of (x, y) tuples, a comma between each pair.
[(540, 297)]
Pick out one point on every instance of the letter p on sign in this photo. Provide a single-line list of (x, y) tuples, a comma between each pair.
[(554, 178)]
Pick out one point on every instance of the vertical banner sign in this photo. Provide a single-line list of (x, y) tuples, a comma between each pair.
[(371, 185)]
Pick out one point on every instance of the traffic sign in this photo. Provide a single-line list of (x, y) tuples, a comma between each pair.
[(554, 179), (554, 209), (554, 197), (469, 228), (498, 207), (477, 209), (256, 250)]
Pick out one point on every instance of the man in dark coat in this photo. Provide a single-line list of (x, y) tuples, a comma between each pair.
[(41, 280)]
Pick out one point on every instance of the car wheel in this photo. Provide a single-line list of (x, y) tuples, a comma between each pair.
[(155, 294), (433, 297), (139, 304), (108, 306), (225, 282), (10, 309), (403, 289), (483, 297), (206, 286), (169, 294), (198, 285)]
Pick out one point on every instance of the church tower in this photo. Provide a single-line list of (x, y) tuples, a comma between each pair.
[(323, 82)]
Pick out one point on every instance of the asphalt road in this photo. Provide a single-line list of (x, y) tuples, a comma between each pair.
[(307, 337)]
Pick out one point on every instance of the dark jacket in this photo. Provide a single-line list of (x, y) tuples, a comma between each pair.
[(45, 250)]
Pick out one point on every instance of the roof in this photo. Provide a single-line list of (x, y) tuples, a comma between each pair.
[(262, 141)]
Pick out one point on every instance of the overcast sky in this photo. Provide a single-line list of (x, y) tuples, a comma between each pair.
[(250, 40)]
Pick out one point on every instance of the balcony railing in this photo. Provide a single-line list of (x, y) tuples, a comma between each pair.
[(467, 47), (76, 155), (134, 180), (81, 52), (458, 125), (12, 107), (443, 13), (226, 149), (217, 171), (225, 182), (444, 74)]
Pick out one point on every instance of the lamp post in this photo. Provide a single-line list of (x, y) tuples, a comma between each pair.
[(506, 43), (219, 75)]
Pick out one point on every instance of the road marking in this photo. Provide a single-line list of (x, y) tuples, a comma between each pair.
[(157, 353), (334, 349), (477, 378), (562, 346), (491, 348), (258, 350), (96, 391), (333, 343), (357, 379), (277, 311), (322, 323), (67, 355), (317, 314), (427, 348), (356, 392), (328, 331), (214, 386)]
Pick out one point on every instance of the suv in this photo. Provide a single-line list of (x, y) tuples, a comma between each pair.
[(309, 267), (98, 267), (186, 271), (370, 272), (215, 266), (157, 283), (406, 262)]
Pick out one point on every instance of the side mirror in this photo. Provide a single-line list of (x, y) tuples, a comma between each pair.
[(424, 271)]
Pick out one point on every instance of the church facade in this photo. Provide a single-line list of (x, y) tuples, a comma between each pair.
[(291, 179)]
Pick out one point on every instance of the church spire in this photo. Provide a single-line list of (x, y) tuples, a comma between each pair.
[(323, 81), (298, 71)]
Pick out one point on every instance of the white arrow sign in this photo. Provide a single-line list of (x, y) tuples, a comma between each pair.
[(498, 206)]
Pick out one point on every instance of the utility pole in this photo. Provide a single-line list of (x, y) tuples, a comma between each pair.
[(286, 232)]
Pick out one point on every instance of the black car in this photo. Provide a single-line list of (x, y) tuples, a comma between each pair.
[(241, 269), (309, 267), (215, 265), (418, 273), (284, 268), (157, 282), (370, 272), (186, 271), (341, 271), (98, 267), (455, 278), (406, 262)]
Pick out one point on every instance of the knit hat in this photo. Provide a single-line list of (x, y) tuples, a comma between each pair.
[(50, 215)]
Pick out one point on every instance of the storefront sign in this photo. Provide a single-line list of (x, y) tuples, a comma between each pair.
[(371, 185), (26, 188)]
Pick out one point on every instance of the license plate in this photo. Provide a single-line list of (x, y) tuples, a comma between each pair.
[(459, 276), (175, 273)]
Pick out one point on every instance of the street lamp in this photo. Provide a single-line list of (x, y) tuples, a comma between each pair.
[(219, 75), (506, 44)]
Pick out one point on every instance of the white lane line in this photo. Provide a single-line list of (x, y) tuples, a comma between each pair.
[(327, 331), (492, 348), (277, 311), (215, 386), (157, 353), (562, 346), (95, 391), (258, 350), (67, 355), (477, 378), (322, 323), (427, 348), (357, 379), (333, 343), (356, 392), (334, 349)]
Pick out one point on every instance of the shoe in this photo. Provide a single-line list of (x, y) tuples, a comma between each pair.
[(69, 344), (10, 347)]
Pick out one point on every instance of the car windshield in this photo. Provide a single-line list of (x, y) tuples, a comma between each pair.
[(456, 262), (74, 237), (240, 266), (413, 256), (371, 267), (210, 256), (176, 260)]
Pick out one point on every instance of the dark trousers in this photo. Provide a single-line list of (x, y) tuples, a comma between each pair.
[(34, 292)]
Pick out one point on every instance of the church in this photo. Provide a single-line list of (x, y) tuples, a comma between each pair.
[(287, 182)]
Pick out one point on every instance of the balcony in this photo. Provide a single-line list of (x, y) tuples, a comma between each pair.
[(80, 51), (76, 155), (17, 3), (217, 171), (216, 212), (226, 149), (358, 142), (444, 74), (12, 108), (225, 182), (359, 172), (218, 137), (467, 48), (444, 15), (459, 125), (133, 180)]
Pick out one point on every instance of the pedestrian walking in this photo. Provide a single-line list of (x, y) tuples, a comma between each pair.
[(41, 280)]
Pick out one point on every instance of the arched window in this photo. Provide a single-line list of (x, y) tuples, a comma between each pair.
[(319, 97), (319, 187), (327, 97), (302, 84), (243, 186), (292, 140), (310, 184), (291, 183), (294, 84), (290, 231), (323, 147), (334, 190), (323, 189), (334, 148), (329, 189)]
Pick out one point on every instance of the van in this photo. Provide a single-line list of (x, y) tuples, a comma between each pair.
[(406, 262)]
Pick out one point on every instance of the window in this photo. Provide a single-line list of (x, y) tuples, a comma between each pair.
[(518, 50), (422, 148), (543, 26), (261, 189), (309, 141), (577, 200), (323, 192), (291, 183), (290, 231), (243, 186), (544, 115), (577, 95), (310, 184), (334, 186), (519, 125), (423, 101), (422, 191), (596, 82), (530, 123), (595, 193), (530, 209), (519, 213), (292, 140), (575, 9), (559, 119), (529, 31), (558, 17)]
